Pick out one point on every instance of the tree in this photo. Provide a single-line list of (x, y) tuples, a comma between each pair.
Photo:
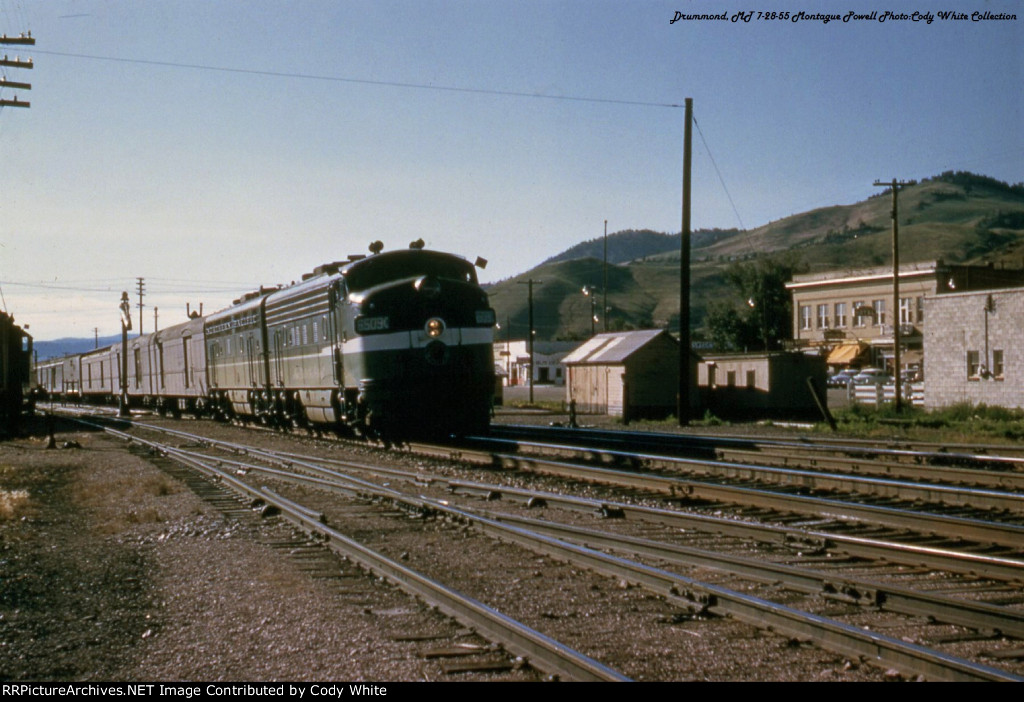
[(759, 316)]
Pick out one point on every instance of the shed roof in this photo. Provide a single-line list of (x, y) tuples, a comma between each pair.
[(613, 347)]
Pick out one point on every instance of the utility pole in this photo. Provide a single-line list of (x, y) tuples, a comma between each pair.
[(96, 333), (531, 282), (17, 62), (141, 285), (684, 275), (156, 318), (895, 185)]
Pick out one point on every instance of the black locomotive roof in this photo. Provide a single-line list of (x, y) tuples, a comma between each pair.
[(406, 263)]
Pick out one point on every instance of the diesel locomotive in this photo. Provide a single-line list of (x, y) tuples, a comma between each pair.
[(15, 368), (397, 343)]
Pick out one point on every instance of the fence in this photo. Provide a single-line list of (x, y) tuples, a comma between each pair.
[(879, 394)]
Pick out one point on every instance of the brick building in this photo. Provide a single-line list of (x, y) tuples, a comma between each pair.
[(848, 315)]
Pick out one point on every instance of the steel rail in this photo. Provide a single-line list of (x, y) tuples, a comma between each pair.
[(855, 590), (1009, 535), (693, 594), (544, 652), (687, 592), (860, 591), (978, 498), (997, 567), (697, 596), (1009, 480), (796, 457), (709, 443)]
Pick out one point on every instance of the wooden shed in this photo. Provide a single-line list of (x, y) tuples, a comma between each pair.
[(749, 385), (625, 374)]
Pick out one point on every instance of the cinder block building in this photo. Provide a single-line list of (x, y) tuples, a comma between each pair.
[(975, 348)]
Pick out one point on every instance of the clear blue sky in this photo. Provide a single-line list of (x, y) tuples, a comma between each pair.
[(143, 156)]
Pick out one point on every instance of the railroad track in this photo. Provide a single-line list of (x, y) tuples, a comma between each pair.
[(541, 651), (955, 512), (990, 457), (697, 597)]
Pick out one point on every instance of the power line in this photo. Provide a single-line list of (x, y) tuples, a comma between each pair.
[(720, 178), (360, 81)]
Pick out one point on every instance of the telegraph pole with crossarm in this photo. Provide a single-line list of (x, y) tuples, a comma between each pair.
[(16, 62)]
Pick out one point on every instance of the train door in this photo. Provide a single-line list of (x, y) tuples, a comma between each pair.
[(186, 368), (250, 361), (333, 336), (213, 360), (278, 350)]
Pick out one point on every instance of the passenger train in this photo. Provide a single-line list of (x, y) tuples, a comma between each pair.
[(396, 343)]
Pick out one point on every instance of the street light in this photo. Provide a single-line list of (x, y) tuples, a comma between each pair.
[(126, 325), (590, 291)]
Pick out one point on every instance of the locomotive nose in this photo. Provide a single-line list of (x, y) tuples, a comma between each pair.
[(428, 286)]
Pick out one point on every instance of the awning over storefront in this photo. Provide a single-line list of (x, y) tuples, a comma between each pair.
[(912, 357), (845, 354)]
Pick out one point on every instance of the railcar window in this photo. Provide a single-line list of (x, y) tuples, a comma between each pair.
[(375, 271)]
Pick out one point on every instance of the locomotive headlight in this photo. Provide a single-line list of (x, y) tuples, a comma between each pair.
[(434, 327)]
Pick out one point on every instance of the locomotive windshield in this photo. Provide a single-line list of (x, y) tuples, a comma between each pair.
[(398, 265)]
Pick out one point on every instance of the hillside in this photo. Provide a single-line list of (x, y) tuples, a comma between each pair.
[(68, 345), (956, 216), (959, 217)]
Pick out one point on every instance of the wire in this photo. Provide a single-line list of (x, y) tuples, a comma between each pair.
[(720, 178), (361, 81)]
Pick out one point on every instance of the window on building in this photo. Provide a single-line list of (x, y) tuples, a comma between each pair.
[(879, 307), (906, 311), (751, 380), (730, 379), (859, 320), (920, 309), (822, 316), (973, 364), (840, 310), (805, 317), (997, 363)]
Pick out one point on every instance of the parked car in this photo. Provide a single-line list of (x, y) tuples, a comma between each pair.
[(872, 376), (910, 376), (842, 378)]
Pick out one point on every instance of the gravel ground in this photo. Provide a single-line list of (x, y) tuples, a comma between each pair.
[(111, 570)]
